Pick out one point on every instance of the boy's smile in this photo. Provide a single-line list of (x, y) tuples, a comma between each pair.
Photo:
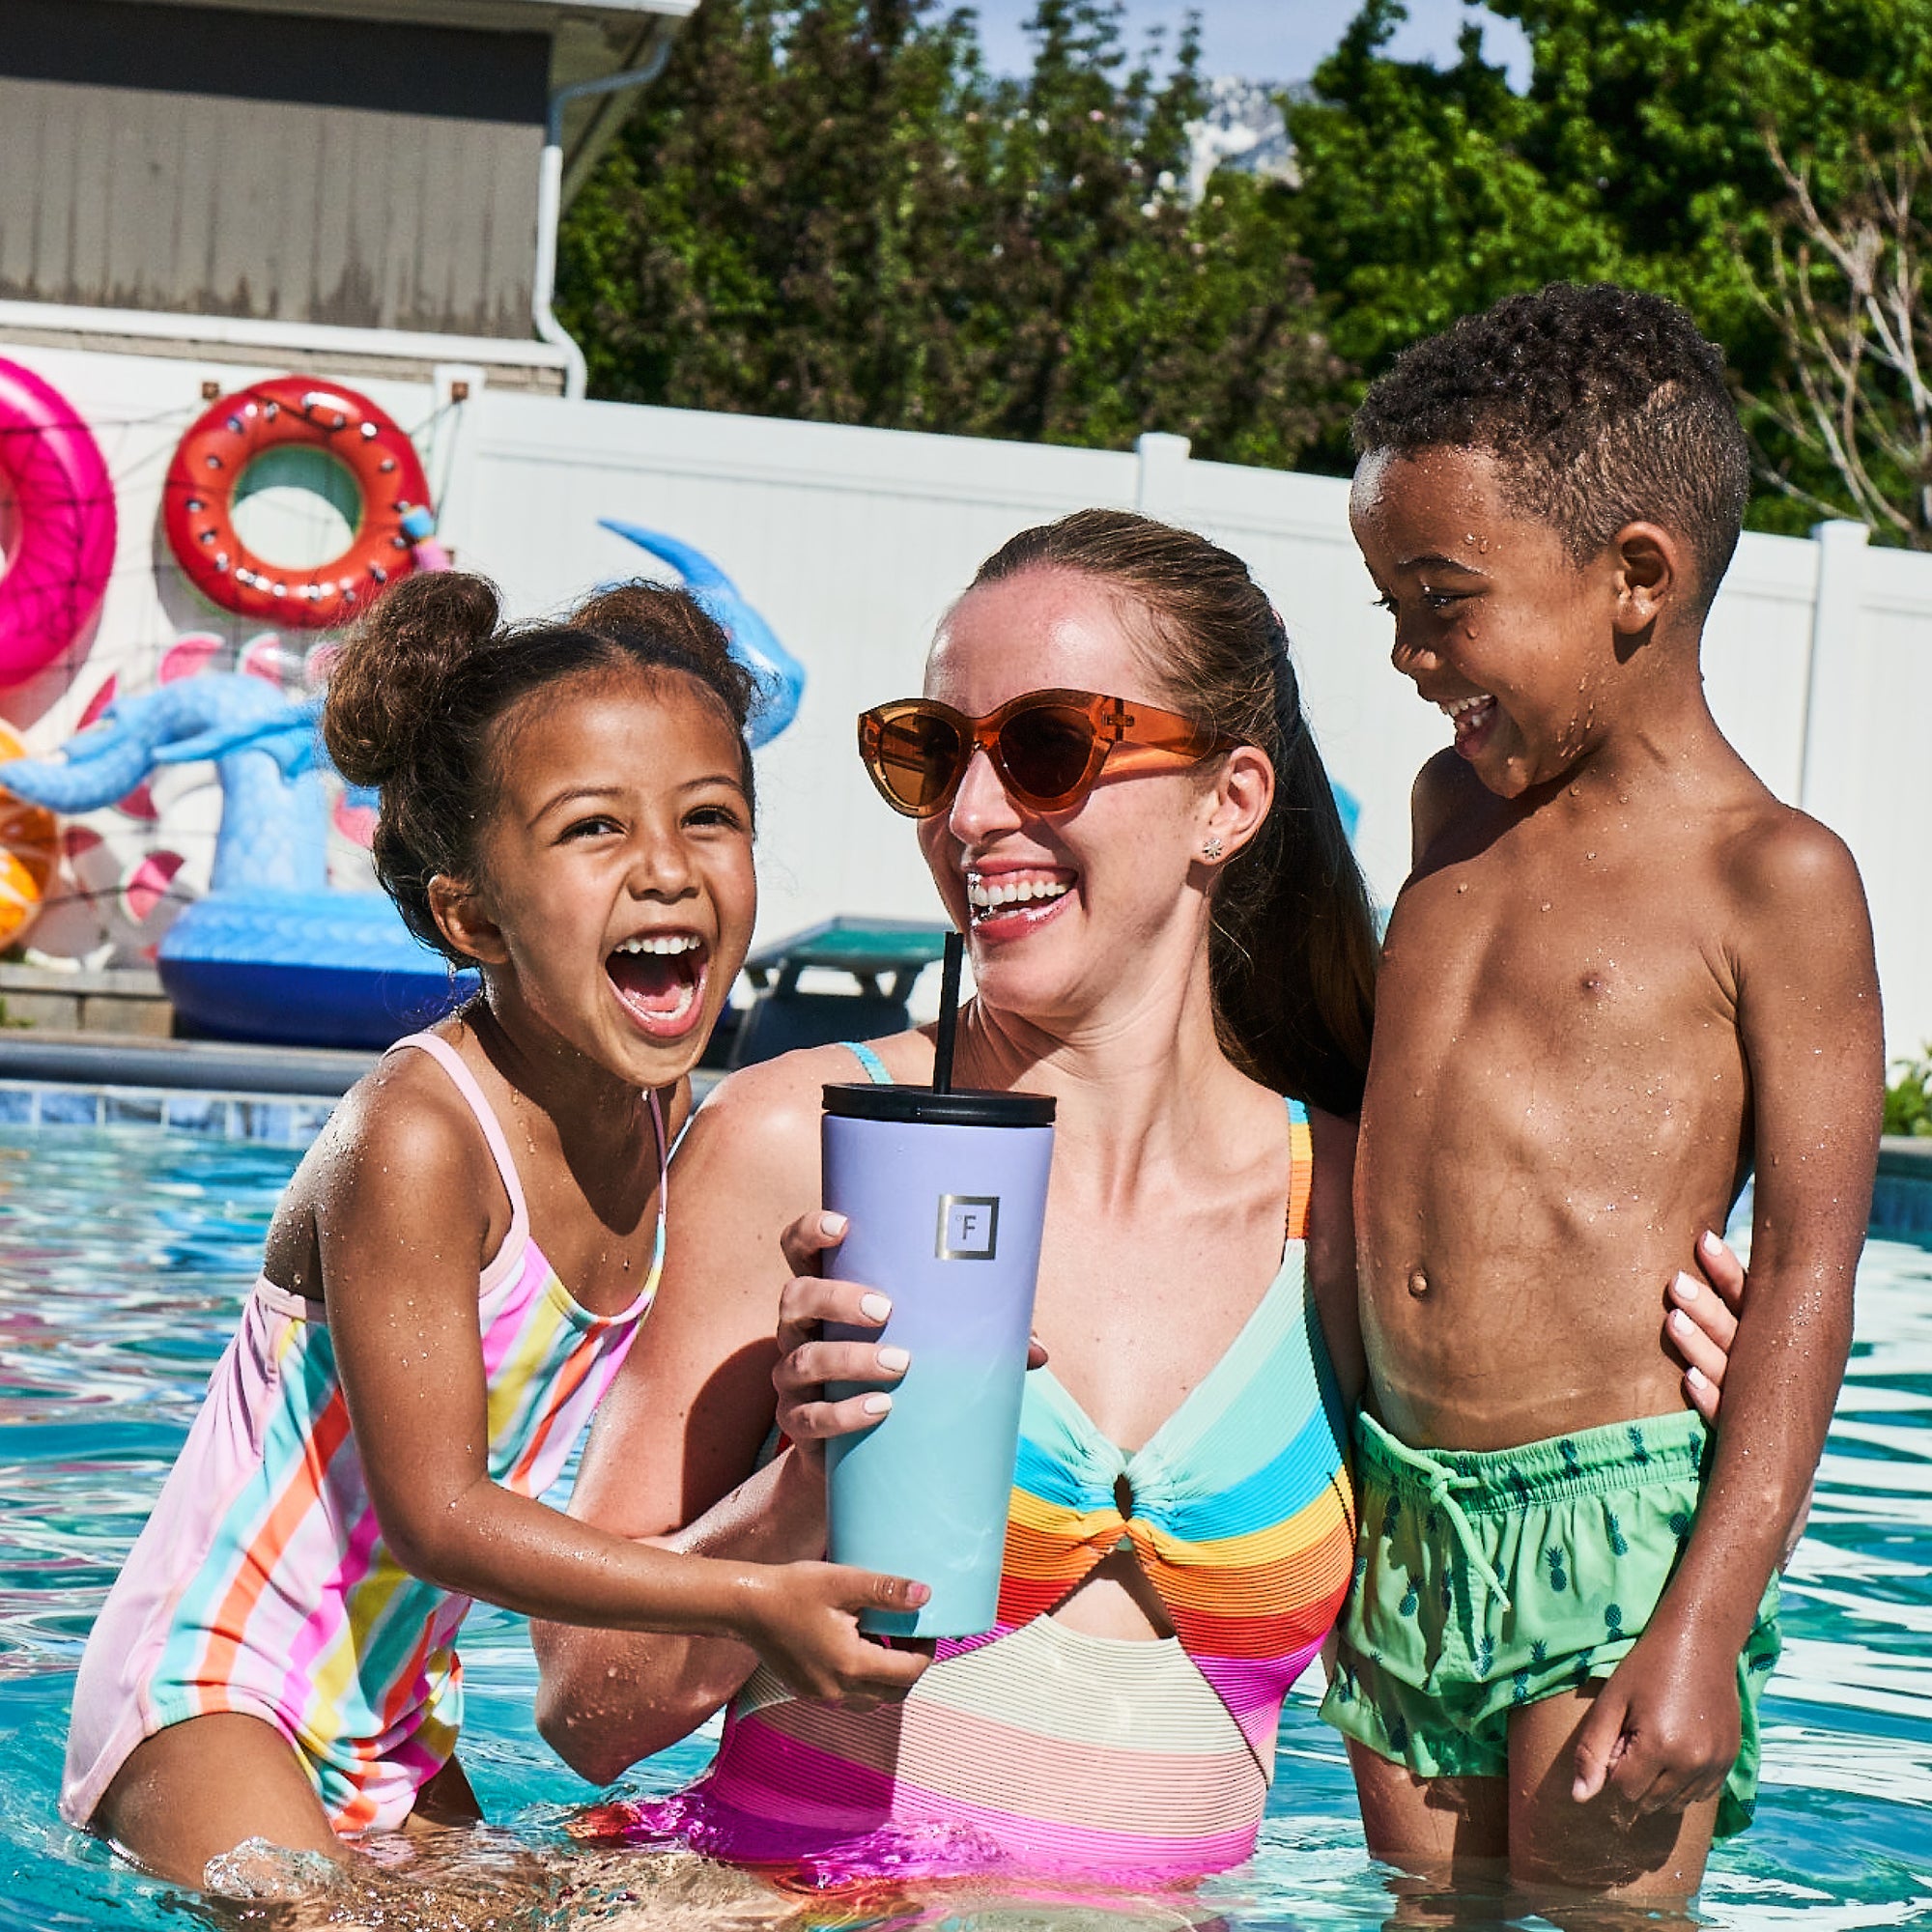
[(1495, 622)]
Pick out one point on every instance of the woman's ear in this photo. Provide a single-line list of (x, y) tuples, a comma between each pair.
[(1651, 570), (464, 920), (1238, 802)]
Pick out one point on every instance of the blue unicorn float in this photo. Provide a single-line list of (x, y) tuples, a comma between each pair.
[(273, 952), (270, 953)]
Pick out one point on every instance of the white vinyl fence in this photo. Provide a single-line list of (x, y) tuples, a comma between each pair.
[(853, 541)]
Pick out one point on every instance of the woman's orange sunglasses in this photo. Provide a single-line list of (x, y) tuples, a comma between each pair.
[(1048, 746)]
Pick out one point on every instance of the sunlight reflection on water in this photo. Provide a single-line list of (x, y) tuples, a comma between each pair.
[(123, 1257)]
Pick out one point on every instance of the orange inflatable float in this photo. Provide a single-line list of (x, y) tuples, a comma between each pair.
[(198, 501), (29, 851)]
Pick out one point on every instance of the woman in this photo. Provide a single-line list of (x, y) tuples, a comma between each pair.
[(1168, 934)]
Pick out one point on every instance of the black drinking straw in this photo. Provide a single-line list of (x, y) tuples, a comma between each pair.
[(948, 1012)]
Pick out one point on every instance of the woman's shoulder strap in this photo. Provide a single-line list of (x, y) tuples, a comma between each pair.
[(877, 1070), (1301, 1170)]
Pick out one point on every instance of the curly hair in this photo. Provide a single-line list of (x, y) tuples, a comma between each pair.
[(1602, 407), (421, 685)]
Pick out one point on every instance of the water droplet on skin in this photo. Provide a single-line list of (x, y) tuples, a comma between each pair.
[(1464, 887), (1546, 905)]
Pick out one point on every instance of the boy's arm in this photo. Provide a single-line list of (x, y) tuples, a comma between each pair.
[(1664, 1730)]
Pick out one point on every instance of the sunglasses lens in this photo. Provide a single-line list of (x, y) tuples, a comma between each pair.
[(916, 757), (1046, 749)]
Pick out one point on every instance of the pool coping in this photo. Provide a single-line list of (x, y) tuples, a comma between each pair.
[(217, 1089), (56, 1078), (1908, 1156), (45, 1057)]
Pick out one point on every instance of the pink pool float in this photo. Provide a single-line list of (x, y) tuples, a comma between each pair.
[(63, 545)]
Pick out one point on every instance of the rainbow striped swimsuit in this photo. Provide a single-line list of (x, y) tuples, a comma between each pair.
[(1057, 1751), (262, 1583)]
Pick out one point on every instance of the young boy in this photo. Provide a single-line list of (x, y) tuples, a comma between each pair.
[(1620, 975)]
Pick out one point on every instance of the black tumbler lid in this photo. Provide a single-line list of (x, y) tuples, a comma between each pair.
[(964, 1107)]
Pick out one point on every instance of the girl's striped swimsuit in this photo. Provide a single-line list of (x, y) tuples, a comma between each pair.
[(1041, 1747), (262, 1583)]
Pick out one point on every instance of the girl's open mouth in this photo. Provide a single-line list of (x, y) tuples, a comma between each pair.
[(659, 979)]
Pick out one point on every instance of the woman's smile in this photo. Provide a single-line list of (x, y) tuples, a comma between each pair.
[(1010, 901)]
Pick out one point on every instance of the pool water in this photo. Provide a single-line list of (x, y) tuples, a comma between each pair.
[(123, 1258)]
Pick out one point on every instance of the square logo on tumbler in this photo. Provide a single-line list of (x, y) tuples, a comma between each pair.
[(969, 1227)]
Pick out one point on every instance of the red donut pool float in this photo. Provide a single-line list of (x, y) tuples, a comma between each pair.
[(198, 502), (64, 546)]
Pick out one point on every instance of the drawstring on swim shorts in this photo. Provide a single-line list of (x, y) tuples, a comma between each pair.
[(1441, 1481)]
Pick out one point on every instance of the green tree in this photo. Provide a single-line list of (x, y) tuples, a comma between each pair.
[(1638, 151), (1848, 295), (1418, 201), (832, 211)]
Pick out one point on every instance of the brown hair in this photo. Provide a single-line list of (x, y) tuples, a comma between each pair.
[(1293, 954), (423, 680)]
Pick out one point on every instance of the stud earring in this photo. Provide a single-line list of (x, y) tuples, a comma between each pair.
[(1212, 849)]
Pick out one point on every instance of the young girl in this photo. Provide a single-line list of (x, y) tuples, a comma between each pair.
[(462, 1261)]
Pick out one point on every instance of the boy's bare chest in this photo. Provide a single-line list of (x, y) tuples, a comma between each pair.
[(1555, 1032), (1575, 952), (1554, 1109)]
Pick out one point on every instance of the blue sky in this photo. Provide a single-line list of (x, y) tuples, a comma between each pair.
[(1271, 40)]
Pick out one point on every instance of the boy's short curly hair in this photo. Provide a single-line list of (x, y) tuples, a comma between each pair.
[(1601, 406)]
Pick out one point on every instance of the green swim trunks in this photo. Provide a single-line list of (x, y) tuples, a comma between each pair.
[(1487, 1580)]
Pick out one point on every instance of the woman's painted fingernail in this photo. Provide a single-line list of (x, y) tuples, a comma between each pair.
[(890, 1360), (1709, 1243), (876, 1404), (874, 1307), (1685, 1287), (832, 1227), (1696, 1378), (1681, 1323)]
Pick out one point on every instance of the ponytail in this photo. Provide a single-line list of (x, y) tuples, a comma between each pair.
[(1293, 949)]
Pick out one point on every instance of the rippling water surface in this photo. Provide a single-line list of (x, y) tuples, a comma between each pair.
[(123, 1258)]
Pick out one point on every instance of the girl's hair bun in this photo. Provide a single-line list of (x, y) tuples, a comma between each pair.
[(388, 681), (668, 625), (415, 693)]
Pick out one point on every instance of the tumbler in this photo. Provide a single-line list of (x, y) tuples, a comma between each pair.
[(944, 1195)]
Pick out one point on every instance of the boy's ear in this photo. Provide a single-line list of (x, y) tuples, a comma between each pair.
[(465, 921), (1651, 571)]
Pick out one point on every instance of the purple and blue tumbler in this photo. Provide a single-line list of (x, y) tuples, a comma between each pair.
[(945, 1192)]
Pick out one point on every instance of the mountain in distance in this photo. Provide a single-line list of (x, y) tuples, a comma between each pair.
[(1242, 129)]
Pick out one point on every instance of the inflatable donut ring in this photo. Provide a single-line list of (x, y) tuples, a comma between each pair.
[(50, 465), (198, 502), (29, 849)]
